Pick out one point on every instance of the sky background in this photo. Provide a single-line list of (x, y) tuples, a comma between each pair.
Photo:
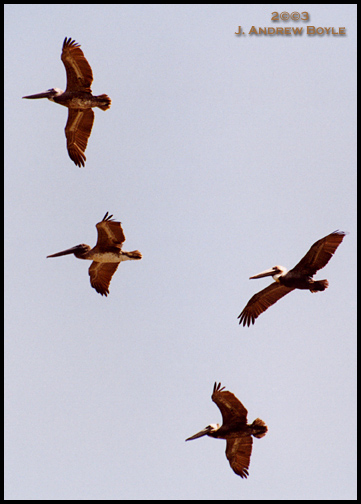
[(221, 155)]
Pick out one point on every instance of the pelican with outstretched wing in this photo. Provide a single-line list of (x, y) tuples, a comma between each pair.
[(106, 255), (234, 429), (299, 277), (78, 98)]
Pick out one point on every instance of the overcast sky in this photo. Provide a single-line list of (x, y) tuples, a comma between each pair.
[(221, 155)]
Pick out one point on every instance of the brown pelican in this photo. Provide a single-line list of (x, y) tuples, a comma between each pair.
[(234, 429), (106, 255), (78, 98), (300, 277)]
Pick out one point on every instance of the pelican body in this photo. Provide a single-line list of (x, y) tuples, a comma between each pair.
[(78, 99), (234, 429), (300, 277), (106, 255)]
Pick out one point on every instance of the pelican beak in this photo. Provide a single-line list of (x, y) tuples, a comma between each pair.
[(65, 252), (203, 432), (45, 94), (266, 273)]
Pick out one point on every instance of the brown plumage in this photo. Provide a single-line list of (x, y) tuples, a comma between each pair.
[(77, 132), (79, 75), (300, 277), (101, 275), (106, 255), (234, 429), (78, 98)]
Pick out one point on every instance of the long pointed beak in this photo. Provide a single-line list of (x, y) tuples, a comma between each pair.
[(65, 252), (266, 273), (45, 94), (203, 432)]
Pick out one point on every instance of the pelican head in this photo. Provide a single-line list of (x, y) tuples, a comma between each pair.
[(205, 432), (49, 94), (275, 273), (78, 251)]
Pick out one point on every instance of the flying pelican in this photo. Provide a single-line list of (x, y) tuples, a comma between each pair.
[(106, 255), (78, 98), (300, 277), (234, 429)]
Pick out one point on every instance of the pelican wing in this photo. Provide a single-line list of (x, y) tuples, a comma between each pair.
[(319, 254), (77, 132), (79, 75), (231, 408), (101, 275), (261, 301), (110, 232), (238, 453)]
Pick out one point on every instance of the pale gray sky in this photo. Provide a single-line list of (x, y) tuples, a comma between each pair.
[(222, 156)]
